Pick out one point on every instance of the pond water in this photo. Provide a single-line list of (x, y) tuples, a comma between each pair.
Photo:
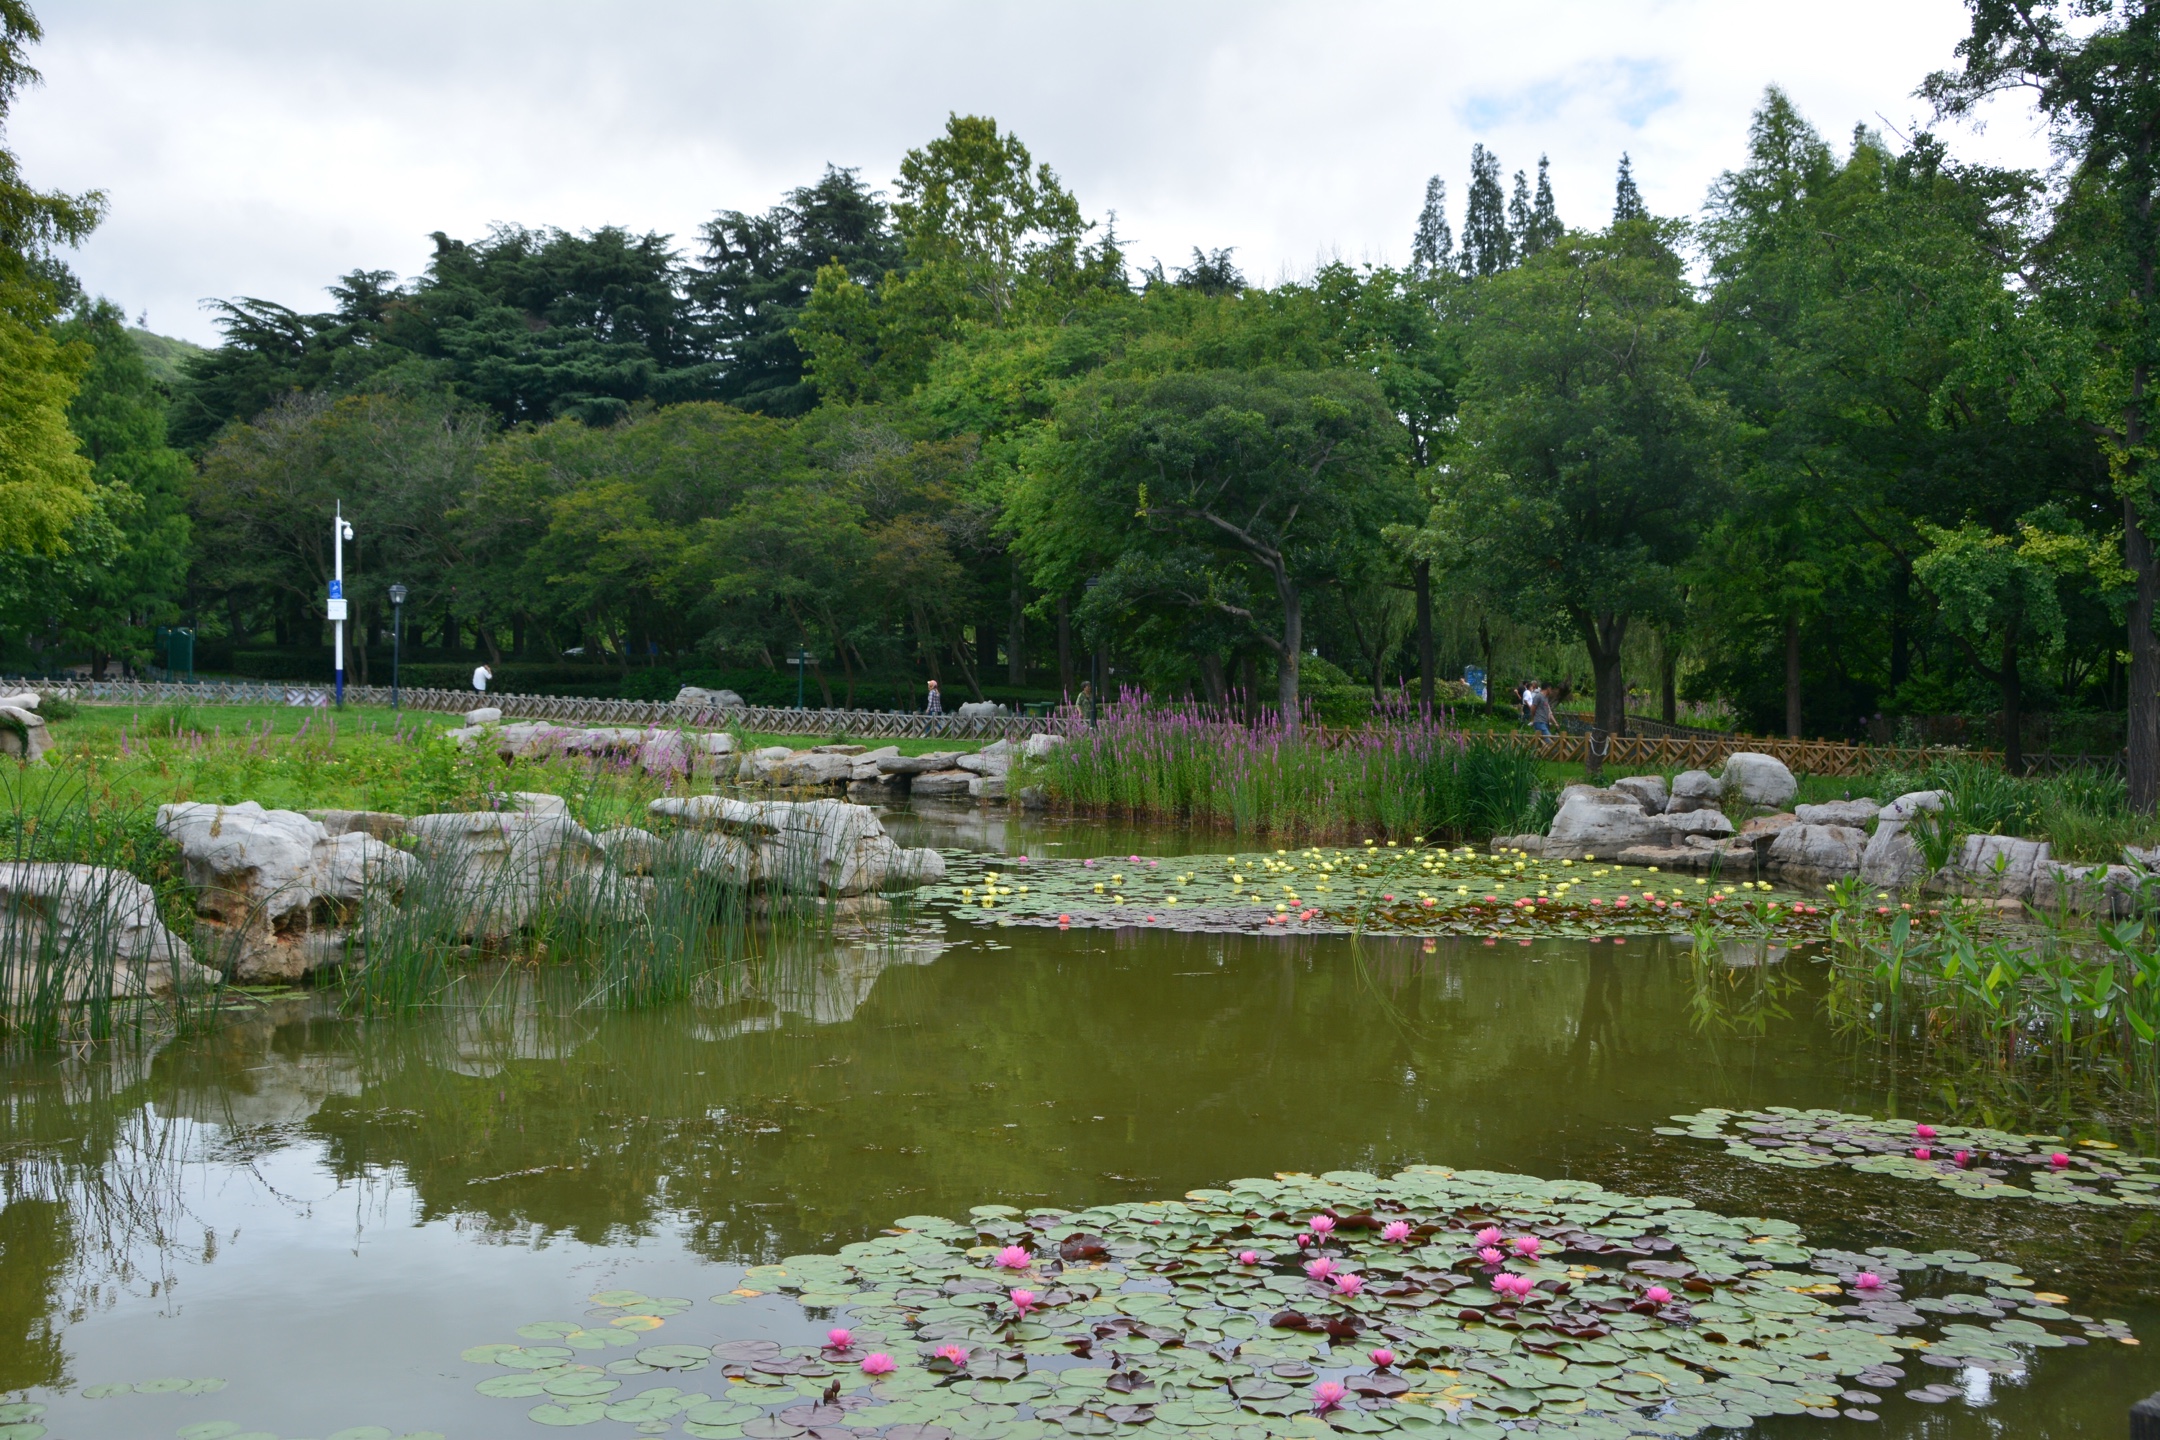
[(323, 1212)]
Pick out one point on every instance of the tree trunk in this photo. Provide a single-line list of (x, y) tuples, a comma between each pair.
[(1211, 678), (2013, 718), (1602, 637), (1064, 644), (1792, 676), (967, 671), (2143, 739), (1484, 640), (1016, 632), (1900, 638), (1668, 679), (517, 634), (1421, 575)]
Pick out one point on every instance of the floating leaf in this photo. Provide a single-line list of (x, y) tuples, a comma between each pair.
[(675, 1357), (209, 1430), (99, 1392), (164, 1385), (364, 1432), (577, 1412)]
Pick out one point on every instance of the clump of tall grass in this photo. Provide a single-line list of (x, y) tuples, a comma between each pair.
[(1408, 777), (2084, 814)]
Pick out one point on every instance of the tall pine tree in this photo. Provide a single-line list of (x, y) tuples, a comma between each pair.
[(1487, 247), (1544, 225), (1518, 215), (1627, 200), (1432, 249)]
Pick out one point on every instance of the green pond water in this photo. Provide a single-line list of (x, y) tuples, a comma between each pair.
[(324, 1213)]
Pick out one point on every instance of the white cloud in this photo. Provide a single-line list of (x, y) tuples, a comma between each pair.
[(264, 148)]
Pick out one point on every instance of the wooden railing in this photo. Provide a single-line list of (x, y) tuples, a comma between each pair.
[(1802, 757), (561, 709)]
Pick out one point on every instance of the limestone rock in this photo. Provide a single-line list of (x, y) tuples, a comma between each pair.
[(980, 708), (633, 850), (696, 695), (1664, 857), (1891, 859), (380, 824), (1755, 779), (1694, 790), (994, 759), (1700, 822), (941, 784), (1038, 747), (1034, 797), (1997, 865), (20, 700), (534, 802), (92, 930), (276, 888), (497, 868), (919, 764), (1528, 844), (1818, 854), (484, 715), (1852, 814), (824, 845), (1913, 803), (1648, 790), (1602, 822), (878, 788), (22, 733)]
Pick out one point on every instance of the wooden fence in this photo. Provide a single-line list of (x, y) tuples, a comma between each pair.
[(560, 709), (1803, 757)]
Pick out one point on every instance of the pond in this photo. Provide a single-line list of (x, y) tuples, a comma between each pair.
[(325, 1213)]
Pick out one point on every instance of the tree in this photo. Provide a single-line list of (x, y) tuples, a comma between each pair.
[(45, 484), (1627, 200), (1588, 460), (2093, 67), (1534, 224), (1211, 477), (1487, 246), (1995, 597), (755, 279), (1432, 249)]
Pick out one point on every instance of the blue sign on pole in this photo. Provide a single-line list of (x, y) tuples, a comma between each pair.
[(1474, 677), (337, 589)]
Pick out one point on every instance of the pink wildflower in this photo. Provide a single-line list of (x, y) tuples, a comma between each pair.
[(1327, 1395), (1395, 1231), (1012, 1257), (877, 1364)]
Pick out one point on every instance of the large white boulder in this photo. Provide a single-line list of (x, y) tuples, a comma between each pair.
[(865, 765), (830, 846), (2000, 865), (22, 733), (1600, 822), (995, 759), (1648, 790), (1755, 779), (697, 695), (981, 708), (483, 715), (919, 764), (1852, 814), (943, 785), (1038, 747), (1712, 823), (87, 932), (1817, 854), (495, 870), (1694, 790), (276, 891), (21, 700)]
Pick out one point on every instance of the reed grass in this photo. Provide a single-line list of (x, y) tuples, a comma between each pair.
[(1410, 776)]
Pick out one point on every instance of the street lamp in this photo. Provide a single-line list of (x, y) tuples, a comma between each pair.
[(340, 532), (397, 637), (801, 657)]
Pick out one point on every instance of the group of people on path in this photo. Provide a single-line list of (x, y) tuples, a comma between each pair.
[(1537, 708)]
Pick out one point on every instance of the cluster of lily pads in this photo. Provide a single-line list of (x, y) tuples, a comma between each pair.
[(1311, 1305), (1399, 889), (1971, 1160)]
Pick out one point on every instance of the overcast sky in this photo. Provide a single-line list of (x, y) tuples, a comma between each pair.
[(265, 148)]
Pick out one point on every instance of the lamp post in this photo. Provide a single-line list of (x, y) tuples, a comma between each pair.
[(801, 657), (397, 637), (1095, 668), (340, 532)]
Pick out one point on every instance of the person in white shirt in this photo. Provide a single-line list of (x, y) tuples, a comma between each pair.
[(480, 676)]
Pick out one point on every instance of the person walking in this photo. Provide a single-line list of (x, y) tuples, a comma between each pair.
[(1541, 712), (480, 677), (936, 706)]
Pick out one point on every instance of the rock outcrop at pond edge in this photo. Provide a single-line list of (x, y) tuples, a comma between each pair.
[(1636, 822), (827, 846), (22, 730), (81, 932)]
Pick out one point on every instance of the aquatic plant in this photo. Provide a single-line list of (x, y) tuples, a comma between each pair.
[(1639, 1312)]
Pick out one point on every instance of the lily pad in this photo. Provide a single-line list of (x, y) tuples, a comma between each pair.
[(675, 1357), (577, 1412)]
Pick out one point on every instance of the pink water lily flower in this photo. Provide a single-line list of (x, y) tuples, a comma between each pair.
[(1487, 1236), (2059, 1160), (955, 1354), (1320, 1269), (1512, 1285), (839, 1339), (1923, 1132), (1657, 1295), (1867, 1280), (1347, 1285), (1304, 1241), (1323, 1225), (1012, 1257), (1395, 1231), (1491, 1255), (1923, 1153), (1024, 1300), (1328, 1395), (1382, 1358), (1963, 1157), (878, 1364), (1248, 1257), (1526, 1244)]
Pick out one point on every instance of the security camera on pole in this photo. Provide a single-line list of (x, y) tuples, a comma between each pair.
[(340, 532)]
